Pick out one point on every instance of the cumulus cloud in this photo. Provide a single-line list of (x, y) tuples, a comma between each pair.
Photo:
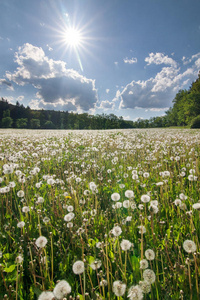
[(7, 84), (132, 60), (56, 85), (159, 58), (107, 105), (158, 92)]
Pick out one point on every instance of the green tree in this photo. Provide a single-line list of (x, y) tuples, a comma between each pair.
[(22, 123), (35, 123), (49, 125), (7, 121)]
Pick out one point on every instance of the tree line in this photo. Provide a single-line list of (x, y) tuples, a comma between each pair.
[(185, 112)]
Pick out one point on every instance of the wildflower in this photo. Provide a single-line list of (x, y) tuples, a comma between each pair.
[(189, 246), (69, 225), (145, 198), (118, 205), (41, 242), (177, 202), (21, 224), (149, 254), (183, 197), (142, 229), (20, 193), (61, 289), (99, 245), (46, 296), (145, 286), (46, 220), (192, 178), (78, 267), (196, 206), (125, 245), (145, 174), (69, 217), (141, 206), (19, 259), (119, 288), (149, 276), (40, 200), (12, 184), (144, 264), (128, 219), (126, 204), (25, 209), (70, 208), (153, 209), (103, 282), (115, 196), (96, 264), (116, 231), (135, 293), (129, 194)]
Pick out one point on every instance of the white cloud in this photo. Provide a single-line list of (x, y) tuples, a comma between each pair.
[(157, 92), (116, 63), (132, 60), (56, 85), (107, 91), (159, 58), (106, 105), (6, 83)]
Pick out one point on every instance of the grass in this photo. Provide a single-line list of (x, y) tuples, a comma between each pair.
[(61, 185)]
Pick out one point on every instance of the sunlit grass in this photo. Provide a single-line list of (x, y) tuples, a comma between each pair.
[(110, 212)]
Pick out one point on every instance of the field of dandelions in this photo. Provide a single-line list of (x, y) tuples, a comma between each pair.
[(100, 214)]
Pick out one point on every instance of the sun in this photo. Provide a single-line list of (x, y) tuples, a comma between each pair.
[(73, 37)]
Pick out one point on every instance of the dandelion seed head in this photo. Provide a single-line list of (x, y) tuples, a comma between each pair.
[(189, 246), (78, 267), (41, 242), (119, 288), (46, 296), (61, 289)]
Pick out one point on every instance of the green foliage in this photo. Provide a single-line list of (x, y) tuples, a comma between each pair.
[(35, 123), (22, 123), (195, 123), (49, 125)]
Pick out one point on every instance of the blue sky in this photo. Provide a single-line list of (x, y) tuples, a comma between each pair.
[(131, 60)]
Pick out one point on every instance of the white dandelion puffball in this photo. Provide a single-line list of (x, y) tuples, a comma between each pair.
[(115, 197), (116, 231), (78, 267), (19, 259), (46, 296), (189, 246), (125, 245), (119, 288), (25, 209), (135, 293), (145, 286), (41, 242), (20, 193), (145, 198), (196, 205), (144, 264), (149, 254), (61, 289), (142, 229), (96, 264), (21, 224), (69, 217), (149, 276), (129, 194), (126, 203)]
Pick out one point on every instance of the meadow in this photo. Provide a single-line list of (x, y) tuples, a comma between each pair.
[(100, 214)]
